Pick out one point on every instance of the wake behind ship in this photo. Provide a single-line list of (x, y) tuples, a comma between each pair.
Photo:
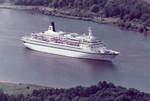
[(69, 44)]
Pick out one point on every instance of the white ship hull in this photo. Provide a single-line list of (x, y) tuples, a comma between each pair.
[(53, 49)]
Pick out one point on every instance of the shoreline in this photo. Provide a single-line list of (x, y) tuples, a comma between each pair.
[(15, 88), (123, 25), (102, 91)]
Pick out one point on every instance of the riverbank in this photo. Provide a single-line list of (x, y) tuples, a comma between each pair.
[(102, 91), (125, 25)]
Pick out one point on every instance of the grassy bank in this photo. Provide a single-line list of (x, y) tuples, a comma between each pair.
[(13, 88)]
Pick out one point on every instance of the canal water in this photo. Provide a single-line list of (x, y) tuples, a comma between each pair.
[(130, 69)]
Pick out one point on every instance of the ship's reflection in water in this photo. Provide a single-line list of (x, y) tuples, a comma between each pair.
[(99, 66), (100, 63)]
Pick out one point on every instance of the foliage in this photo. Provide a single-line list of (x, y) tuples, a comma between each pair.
[(124, 9), (103, 91)]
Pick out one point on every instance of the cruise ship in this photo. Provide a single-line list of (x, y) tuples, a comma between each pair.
[(69, 44)]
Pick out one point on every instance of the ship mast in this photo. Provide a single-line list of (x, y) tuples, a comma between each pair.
[(90, 32)]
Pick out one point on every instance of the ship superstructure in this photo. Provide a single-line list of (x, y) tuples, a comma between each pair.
[(69, 44)]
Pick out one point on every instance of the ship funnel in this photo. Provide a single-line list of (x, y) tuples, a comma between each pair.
[(53, 26)]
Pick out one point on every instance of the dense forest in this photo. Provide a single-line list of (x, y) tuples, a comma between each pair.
[(135, 10), (101, 92)]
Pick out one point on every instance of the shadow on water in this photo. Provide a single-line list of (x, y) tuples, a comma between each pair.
[(100, 67), (91, 62), (99, 63)]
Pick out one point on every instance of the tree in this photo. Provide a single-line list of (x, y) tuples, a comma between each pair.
[(94, 8)]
